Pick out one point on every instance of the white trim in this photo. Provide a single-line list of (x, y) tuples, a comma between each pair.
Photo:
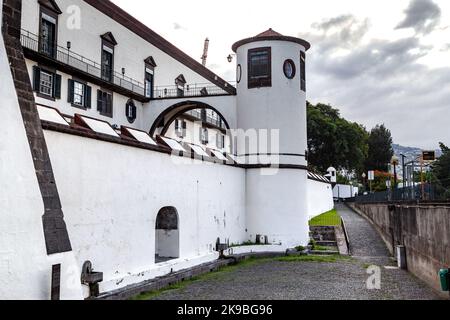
[(108, 49), (48, 18)]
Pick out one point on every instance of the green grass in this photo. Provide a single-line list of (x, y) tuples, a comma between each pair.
[(221, 272), (330, 218), (246, 244), (323, 248)]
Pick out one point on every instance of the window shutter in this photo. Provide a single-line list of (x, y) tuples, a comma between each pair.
[(99, 101), (57, 86), (109, 110), (36, 78), (71, 85), (88, 97)]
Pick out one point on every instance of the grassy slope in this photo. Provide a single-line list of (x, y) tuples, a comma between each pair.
[(330, 218)]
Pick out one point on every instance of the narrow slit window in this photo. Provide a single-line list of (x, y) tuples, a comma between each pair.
[(303, 71)]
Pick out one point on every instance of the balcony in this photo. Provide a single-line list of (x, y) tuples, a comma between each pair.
[(200, 114), (190, 90), (73, 63)]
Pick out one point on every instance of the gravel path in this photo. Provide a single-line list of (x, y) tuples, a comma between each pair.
[(342, 280)]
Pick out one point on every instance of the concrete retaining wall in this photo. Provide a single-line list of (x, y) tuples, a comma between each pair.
[(423, 229)]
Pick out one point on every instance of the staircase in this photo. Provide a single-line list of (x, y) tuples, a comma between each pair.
[(326, 241)]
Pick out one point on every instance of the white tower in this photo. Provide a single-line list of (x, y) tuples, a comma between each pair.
[(332, 174), (271, 95)]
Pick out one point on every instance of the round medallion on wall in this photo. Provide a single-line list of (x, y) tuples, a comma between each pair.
[(131, 111), (289, 69), (238, 73)]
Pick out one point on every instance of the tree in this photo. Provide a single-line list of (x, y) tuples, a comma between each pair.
[(334, 141), (441, 172), (380, 149)]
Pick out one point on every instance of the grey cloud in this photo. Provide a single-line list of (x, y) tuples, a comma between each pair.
[(345, 31), (326, 24), (178, 26), (422, 15), (446, 47), (380, 81)]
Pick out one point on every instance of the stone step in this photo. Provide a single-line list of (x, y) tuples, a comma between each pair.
[(324, 253), (327, 243)]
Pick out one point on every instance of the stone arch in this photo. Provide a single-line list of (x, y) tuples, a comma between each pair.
[(167, 237), (171, 113)]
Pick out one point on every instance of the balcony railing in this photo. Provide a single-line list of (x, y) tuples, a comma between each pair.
[(68, 57), (202, 115), (190, 90)]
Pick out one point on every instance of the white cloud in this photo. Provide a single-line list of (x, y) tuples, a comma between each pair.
[(375, 73)]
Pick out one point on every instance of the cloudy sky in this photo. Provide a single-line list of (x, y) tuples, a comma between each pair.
[(378, 61)]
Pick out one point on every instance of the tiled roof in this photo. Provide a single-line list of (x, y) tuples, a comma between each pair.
[(269, 33)]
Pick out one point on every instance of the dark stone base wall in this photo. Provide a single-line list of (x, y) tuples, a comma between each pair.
[(423, 229), (55, 231)]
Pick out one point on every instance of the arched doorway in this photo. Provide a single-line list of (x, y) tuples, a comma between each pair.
[(167, 237)]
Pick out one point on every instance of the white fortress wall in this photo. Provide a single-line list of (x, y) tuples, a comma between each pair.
[(111, 195), (25, 268), (319, 198)]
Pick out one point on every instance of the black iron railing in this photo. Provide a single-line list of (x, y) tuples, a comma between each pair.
[(190, 90), (427, 192), (66, 56), (202, 115)]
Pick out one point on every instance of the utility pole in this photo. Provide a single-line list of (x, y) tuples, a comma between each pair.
[(404, 176), (421, 178)]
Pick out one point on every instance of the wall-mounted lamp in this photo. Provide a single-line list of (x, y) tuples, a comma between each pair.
[(123, 71), (69, 45), (230, 58)]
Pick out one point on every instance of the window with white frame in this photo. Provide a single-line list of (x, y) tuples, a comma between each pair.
[(204, 136), (78, 94), (149, 83), (220, 141), (46, 84), (180, 128)]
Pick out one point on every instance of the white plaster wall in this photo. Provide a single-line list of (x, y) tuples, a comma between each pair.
[(320, 198), (119, 103), (282, 106), (111, 196), (25, 268), (277, 206), (343, 191), (130, 52)]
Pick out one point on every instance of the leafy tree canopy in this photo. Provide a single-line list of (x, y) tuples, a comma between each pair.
[(380, 149), (334, 141), (441, 172)]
